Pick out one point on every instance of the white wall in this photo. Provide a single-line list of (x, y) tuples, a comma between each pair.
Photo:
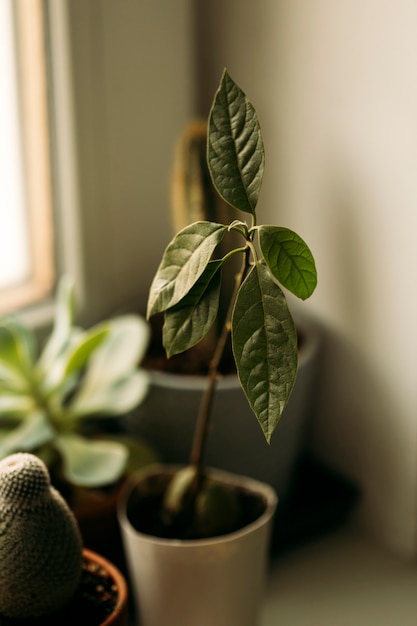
[(122, 76), (335, 86)]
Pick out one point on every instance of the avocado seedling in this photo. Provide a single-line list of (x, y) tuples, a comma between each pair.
[(187, 285)]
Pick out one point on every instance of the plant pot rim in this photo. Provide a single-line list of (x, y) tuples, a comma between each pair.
[(250, 484), (118, 614)]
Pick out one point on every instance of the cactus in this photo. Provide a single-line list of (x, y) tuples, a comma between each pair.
[(194, 199), (193, 196), (40, 544)]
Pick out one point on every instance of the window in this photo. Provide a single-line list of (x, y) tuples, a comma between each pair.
[(26, 233)]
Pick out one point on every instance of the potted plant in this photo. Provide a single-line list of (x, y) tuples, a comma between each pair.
[(46, 576), (53, 403), (196, 539), (236, 443)]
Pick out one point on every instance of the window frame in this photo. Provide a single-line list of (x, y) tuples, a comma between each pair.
[(34, 115)]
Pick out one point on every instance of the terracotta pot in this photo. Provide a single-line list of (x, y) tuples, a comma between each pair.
[(205, 582), (97, 519), (119, 616), (84, 607)]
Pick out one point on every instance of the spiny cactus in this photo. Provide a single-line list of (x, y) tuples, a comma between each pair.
[(40, 544)]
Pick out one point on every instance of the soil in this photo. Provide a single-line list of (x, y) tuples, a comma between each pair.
[(94, 601), (144, 510)]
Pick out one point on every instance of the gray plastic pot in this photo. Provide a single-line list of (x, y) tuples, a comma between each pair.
[(166, 419), (206, 582)]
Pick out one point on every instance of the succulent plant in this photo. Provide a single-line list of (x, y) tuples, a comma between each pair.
[(45, 398), (40, 544)]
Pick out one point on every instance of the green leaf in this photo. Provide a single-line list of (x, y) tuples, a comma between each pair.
[(91, 463), (11, 380), (15, 405), (54, 381), (119, 354), (265, 347), (33, 432), (289, 260), (235, 148), (183, 262), (51, 365), (191, 319), (16, 347), (112, 385), (109, 400), (86, 343), (64, 316)]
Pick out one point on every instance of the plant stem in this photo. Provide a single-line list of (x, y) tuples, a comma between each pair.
[(205, 412)]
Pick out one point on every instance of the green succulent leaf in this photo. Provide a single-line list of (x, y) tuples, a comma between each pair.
[(178, 496), (191, 319), (53, 380), (123, 348), (11, 380), (15, 404), (16, 348), (289, 260), (235, 147), (91, 463), (109, 400), (183, 262), (63, 321), (31, 433), (265, 347), (86, 343), (111, 384)]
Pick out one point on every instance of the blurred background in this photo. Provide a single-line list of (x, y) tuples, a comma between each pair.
[(108, 87)]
